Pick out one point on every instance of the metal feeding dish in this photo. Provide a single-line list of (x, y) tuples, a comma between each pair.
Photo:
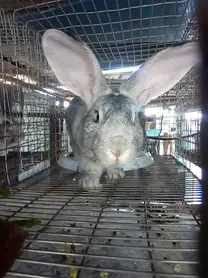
[(144, 159)]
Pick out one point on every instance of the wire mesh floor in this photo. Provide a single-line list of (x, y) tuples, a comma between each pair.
[(144, 226)]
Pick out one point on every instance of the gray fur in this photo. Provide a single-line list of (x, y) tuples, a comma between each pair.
[(89, 139), (75, 114)]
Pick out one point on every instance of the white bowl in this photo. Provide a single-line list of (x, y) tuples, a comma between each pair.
[(143, 160)]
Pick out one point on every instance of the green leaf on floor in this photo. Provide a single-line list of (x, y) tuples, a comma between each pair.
[(73, 272), (28, 223), (104, 274), (5, 192), (178, 268)]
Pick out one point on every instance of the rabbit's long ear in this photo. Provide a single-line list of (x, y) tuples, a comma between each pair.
[(74, 65), (160, 73)]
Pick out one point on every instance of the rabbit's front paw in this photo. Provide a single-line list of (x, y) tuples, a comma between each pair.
[(90, 183), (115, 174)]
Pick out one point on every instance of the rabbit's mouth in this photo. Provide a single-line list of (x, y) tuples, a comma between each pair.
[(117, 150), (116, 157)]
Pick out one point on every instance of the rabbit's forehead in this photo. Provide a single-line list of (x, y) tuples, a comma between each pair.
[(115, 101)]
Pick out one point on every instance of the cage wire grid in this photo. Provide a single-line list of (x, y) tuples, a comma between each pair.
[(147, 228), (147, 224), (28, 104), (121, 33)]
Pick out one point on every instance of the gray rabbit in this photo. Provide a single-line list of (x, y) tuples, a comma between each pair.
[(11, 108), (103, 124)]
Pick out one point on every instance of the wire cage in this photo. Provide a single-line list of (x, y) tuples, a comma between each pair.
[(145, 225)]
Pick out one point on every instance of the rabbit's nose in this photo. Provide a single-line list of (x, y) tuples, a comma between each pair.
[(118, 140), (117, 154), (117, 146)]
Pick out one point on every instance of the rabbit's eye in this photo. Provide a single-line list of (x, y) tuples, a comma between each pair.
[(96, 116)]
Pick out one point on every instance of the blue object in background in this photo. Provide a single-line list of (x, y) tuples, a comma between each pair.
[(153, 132)]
